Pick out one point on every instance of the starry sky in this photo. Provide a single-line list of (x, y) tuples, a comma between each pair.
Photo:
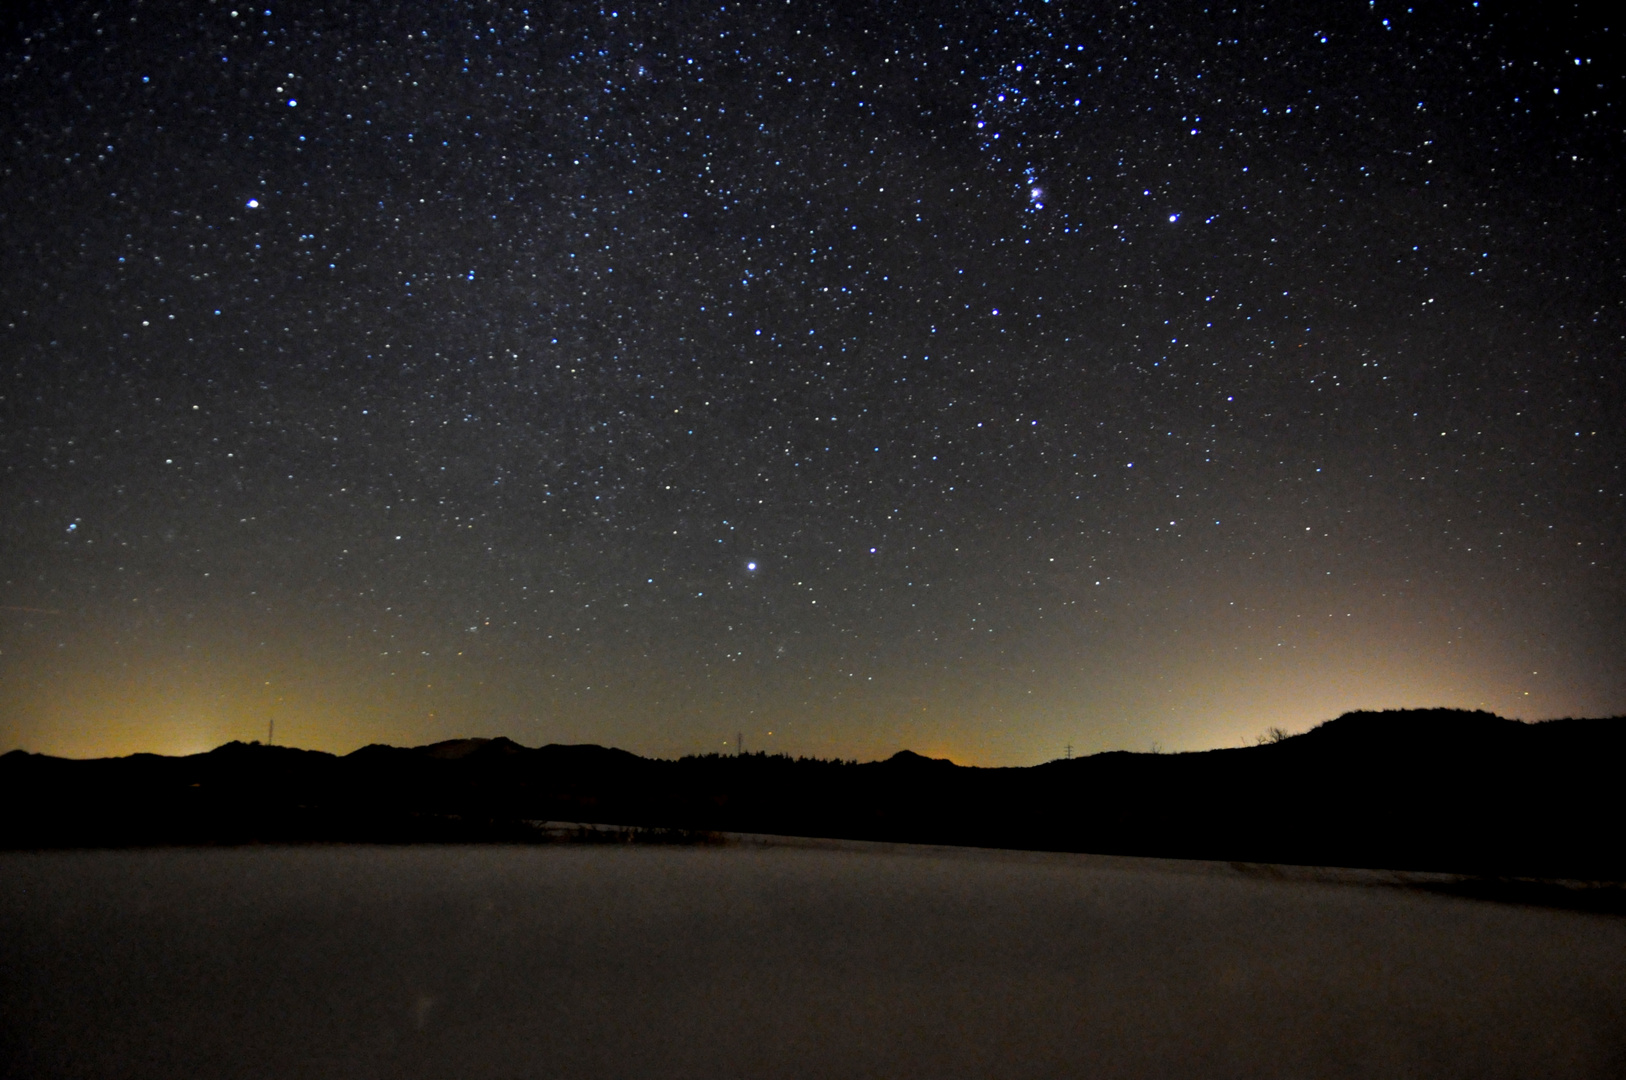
[(983, 379)]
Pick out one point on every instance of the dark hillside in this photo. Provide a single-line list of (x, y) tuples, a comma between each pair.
[(1422, 789)]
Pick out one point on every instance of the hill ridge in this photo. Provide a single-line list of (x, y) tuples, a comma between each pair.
[(1404, 789)]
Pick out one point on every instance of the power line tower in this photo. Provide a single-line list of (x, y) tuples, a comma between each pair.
[(1069, 752), (739, 744), (271, 733)]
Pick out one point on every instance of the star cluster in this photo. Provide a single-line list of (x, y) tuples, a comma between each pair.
[(978, 379)]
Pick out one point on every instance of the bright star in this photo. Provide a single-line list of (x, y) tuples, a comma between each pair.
[(750, 566)]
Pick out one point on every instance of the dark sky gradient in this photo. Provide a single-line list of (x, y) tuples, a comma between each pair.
[(979, 379)]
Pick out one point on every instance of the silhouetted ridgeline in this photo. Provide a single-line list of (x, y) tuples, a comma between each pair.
[(1424, 790)]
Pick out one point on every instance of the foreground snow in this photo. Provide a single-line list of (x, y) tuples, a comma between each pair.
[(779, 960)]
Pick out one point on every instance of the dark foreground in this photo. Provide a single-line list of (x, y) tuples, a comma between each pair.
[(1432, 790), (707, 962)]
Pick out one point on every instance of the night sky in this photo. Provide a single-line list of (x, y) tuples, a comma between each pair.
[(979, 379)]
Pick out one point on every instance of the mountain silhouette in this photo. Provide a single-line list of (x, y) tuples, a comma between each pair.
[(1435, 789)]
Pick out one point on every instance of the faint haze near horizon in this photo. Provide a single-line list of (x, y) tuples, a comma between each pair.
[(179, 721)]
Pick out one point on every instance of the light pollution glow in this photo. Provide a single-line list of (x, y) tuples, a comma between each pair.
[(1176, 685)]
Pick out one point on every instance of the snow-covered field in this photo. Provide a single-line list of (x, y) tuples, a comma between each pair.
[(769, 961)]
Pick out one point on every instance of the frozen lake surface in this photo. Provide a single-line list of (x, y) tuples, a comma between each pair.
[(777, 961)]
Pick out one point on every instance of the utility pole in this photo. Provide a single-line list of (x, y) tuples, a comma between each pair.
[(739, 744), (271, 734), (1069, 751)]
